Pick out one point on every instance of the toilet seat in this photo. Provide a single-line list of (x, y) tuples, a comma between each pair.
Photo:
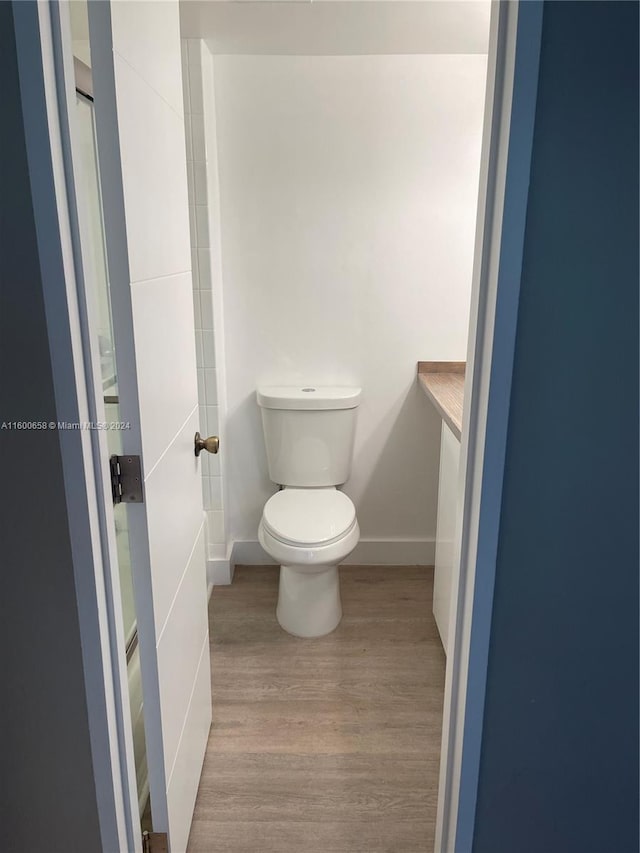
[(306, 518)]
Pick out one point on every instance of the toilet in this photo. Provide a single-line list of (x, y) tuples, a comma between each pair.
[(309, 526)]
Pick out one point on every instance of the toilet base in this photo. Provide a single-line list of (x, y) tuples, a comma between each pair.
[(309, 600)]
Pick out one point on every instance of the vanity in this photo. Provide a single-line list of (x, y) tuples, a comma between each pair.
[(443, 383)]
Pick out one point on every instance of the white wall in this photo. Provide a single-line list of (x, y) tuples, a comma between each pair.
[(348, 199)]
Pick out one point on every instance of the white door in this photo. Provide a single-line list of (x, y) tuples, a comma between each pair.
[(445, 562), (137, 85)]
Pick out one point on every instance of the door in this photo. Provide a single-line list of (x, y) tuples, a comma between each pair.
[(136, 65), (445, 562)]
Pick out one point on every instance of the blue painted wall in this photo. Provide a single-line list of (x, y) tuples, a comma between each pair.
[(559, 761), (47, 790)]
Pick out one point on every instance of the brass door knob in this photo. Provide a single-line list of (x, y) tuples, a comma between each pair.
[(211, 444)]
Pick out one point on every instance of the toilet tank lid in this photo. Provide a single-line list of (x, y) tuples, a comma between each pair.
[(307, 397)]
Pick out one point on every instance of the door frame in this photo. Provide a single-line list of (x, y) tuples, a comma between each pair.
[(47, 86), (507, 142)]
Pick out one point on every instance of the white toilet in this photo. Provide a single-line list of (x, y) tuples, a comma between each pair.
[(309, 526)]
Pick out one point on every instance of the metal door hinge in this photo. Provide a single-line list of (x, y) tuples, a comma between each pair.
[(126, 479), (155, 842)]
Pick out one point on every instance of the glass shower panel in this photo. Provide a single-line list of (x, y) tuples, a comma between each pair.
[(97, 282), (94, 238)]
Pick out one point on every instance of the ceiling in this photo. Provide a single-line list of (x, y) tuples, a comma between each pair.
[(338, 27)]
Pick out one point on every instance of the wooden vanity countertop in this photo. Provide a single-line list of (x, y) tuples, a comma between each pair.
[(443, 383)]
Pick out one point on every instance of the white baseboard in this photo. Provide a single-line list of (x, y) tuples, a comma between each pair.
[(220, 567), (250, 553), (368, 552), (393, 552)]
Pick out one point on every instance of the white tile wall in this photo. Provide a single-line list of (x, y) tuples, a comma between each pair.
[(197, 67)]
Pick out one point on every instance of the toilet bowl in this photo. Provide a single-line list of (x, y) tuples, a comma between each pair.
[(309, 526), (309, 532)]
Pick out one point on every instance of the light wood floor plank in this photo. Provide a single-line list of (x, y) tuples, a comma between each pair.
[(329, 745)]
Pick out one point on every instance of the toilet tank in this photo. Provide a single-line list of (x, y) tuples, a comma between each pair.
[(309, 433)]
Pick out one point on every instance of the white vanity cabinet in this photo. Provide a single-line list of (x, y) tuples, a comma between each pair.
[(445, 531), (443, 382)]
